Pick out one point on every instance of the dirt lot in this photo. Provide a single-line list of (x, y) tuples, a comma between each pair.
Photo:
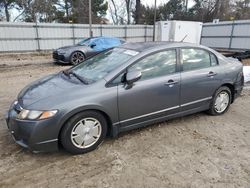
[(246, 61), (193, 151)]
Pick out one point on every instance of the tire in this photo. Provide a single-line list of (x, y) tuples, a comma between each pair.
[(82, 128), (215, 108), (77, 57)]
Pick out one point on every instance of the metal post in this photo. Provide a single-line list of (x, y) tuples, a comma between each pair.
[(101, 29), (73, 33), (37, 37), (90, 19), (154, 22), (125, 30), (145, 33), (186, 6), (231, 35)]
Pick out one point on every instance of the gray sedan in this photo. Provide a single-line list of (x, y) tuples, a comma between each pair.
[(130, 86)]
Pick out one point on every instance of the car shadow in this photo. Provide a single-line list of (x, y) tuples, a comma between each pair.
[(61, 64)]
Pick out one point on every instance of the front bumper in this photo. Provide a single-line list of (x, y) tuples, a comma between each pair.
[(61, 58), (37, 136)]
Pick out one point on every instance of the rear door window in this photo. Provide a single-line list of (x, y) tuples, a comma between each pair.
[(213, 58), (193, 59)]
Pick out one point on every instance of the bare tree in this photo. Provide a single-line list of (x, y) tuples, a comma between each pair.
[(241, 9), (128, 10), (7, 5), (65, 6), (137, 11), (38, 10), (118, 11), (80, 10), (221, 9), (114, 13)]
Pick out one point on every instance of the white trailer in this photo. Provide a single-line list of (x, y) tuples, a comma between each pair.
[(177, 31)]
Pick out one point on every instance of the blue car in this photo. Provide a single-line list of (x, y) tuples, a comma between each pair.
[(86, 48)]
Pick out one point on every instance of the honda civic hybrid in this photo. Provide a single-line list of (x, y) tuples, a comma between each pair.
[(127, 87)]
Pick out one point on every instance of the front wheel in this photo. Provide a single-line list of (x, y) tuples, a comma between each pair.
[(76, 58), (221, 101), (83, 132)]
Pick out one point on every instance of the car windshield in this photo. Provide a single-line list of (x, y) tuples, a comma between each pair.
[(84, 41), (99, 66)]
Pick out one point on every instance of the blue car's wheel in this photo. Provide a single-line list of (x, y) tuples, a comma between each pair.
[(76, 58)]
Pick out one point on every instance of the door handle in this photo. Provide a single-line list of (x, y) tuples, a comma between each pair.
[(171, 82), (211, 73)]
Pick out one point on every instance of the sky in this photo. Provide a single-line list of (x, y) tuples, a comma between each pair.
[(152, 2), (159, 2)]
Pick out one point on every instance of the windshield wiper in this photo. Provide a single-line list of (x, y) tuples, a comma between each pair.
[(81, 79)]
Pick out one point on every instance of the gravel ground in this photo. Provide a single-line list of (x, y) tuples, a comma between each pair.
[(194, 151), (246, 62)]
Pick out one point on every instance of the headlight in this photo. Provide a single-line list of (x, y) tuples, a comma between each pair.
[(61, 52), (35, 114)]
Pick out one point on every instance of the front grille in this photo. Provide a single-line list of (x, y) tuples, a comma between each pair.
[(55, 55)]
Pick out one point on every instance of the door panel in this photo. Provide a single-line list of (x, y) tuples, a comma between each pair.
[(149, 99), (198, 85), (156, 94)]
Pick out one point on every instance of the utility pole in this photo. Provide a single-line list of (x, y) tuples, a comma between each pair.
[(186, 5), (90, 19), (154, 22)]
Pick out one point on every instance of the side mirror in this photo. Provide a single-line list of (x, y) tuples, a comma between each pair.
[(132, 76), (92, 45)]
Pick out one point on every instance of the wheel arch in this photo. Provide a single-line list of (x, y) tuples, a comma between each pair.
[(232, 89), (82, 109), (78, 50)]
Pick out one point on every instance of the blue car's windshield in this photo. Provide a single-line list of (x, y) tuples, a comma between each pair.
[(84, 41), (99, 66)]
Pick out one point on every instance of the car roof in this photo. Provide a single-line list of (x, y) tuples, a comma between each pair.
[(98, 37), (143, 46)]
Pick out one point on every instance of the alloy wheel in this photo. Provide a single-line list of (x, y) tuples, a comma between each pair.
[(77, 58)]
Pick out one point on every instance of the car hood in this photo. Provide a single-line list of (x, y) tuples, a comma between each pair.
[(66, 47), (71, 47), (45, 89)]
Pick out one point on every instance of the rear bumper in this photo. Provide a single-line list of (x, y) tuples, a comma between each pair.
[(237, 92), (238, 87), (37, 136)]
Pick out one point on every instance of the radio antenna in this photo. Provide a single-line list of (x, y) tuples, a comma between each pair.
[(184, 38)]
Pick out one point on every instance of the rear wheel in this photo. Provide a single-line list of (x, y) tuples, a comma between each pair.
[(84, 132), (76, 58), (221, 101)]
